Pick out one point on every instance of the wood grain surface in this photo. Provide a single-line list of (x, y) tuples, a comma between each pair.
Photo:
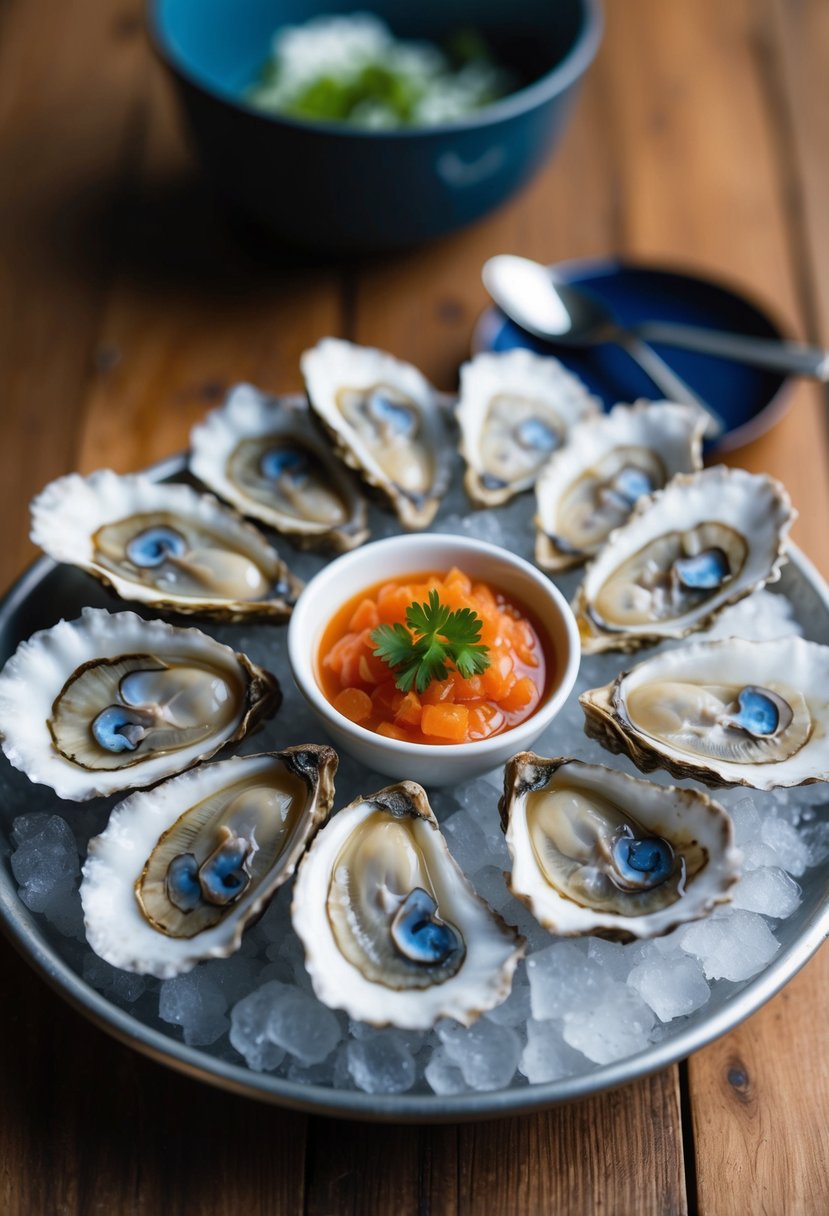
[(127, 307)]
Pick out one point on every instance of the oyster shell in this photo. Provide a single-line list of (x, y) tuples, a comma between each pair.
[(725, 713), (515, 409), (180, 871), (111, 702), (264, 455), (590, 486), (705, 541), (163, 544), (386, 422), (596, 851), (393, 932)]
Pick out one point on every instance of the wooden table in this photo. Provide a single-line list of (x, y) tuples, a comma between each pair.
[(125, 310)]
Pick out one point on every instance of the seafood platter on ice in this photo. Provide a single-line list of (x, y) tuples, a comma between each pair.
[(347, 927)]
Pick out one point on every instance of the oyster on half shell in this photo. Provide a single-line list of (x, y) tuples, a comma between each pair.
[(393, 932), (163, 544), (591, 485), (264, 455), (725, 713), (181, 870), (595, 851), (110, 702), (515, 410), (385, 421), (707, 540)]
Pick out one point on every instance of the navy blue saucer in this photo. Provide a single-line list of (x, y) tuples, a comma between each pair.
[(749, 399)]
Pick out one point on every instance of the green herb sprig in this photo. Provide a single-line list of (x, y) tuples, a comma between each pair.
[(435, 637)]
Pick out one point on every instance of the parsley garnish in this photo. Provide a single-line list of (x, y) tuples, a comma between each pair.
[(434, 638)]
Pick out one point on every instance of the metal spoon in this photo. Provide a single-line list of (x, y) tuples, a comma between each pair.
[(520, 285), (557, 312)]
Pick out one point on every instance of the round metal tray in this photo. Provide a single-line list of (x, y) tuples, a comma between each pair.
[(47, 591)]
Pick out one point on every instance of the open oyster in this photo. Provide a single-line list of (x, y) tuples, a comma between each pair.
[(385, 420), (706, 540), (393, 932), (726, 713), (595, 851), (264, 455), (111, 702), (515, 409), (590, 486), (181, 870), (163, 544)]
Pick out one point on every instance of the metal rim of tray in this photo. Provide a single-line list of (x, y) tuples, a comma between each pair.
[(21, 928)]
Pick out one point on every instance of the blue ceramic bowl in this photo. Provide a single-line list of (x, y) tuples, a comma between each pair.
[(331, 187)]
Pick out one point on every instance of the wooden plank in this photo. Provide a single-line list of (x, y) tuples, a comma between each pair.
[(760, 1129), (69, 78), (615, 1154)]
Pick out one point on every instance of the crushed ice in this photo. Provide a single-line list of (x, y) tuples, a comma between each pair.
[(575, 1004)]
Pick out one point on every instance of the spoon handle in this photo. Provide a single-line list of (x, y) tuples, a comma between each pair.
[(763, 352), (666, 379)]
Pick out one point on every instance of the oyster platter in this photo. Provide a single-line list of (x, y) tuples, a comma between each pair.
[(190, 860)]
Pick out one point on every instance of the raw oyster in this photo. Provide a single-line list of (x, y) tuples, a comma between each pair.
[(515, 409), (181, 870), (386, 422), (163, 544), (112, 702), (596, 851), (264, 455), (725, 713), (706, 540), (393, 932), (590, 486)]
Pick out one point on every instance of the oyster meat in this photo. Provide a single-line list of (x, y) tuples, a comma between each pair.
[(590, 486), (163, 544), (181, 870), (110, 702), (596, 851), (515, 410), (385, 420), (393, 932), (707, 540), (725, 713), (264, 455)]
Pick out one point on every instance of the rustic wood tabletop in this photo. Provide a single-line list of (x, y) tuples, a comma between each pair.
[(127, 308)]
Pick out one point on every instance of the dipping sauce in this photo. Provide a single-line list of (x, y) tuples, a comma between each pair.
[(455, 710)]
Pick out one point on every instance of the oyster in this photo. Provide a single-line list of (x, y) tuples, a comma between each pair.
[(706, 540), (111, 702), (181, 870), (386, 422), (163, 544), (591, 485), (263, 455), (515, 409), (725, 713), (393, 932), (595, 851)]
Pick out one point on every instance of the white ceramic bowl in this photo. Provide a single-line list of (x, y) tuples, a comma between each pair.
[(441, 764)]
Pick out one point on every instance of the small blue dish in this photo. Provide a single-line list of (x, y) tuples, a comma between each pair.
[(332, 187), (749, 399)]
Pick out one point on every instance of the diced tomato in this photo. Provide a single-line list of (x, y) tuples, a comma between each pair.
[(392, 732), (366, 617), (354, 704), (522, 694), (439, 690), (409, 710), (445, 722)]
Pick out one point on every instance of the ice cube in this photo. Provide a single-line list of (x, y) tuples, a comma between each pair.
[(546, 1056), (563, 980), (304, 1027), (616, 1027), (381, 1064), (443, 1075), (792, 852), (194, 1002), (733, 947), (248, 1028), (671, 986), (515, 1010), (486, 1053), (768, 890)]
